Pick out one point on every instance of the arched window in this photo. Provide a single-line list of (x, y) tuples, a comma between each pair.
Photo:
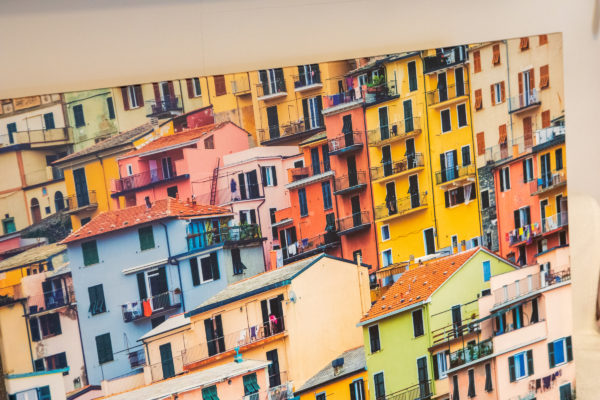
[(59, 202), (36, 213)]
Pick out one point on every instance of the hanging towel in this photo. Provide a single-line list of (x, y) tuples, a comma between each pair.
[(521, 231), (253, 332), (292, 249), (147, 308), (547, 380), (538, 384)]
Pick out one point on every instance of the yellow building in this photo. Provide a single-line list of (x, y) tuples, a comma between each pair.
[(288, 101), (345, 377)]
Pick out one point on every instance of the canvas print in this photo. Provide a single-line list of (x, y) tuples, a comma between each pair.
[(390, 227)]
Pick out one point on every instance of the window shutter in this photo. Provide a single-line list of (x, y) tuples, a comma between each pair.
[(543, 39), (190, 88), (480, 143), (447, 198), (352, 391), (263, 175), (156, 92), (520, 83), (43, 393), (220, 88), (551, 354), (274, 171), (141, 280), (62, 360), (171, 90), (496, 54), (529, 362), (524, 171), (544, 76), (492, 94), (305, 113), (35, 329), (320, 109), (476, 61), (214, 264), (502, 92), (569, 348), (436, 374), (501, 175), (545, 119), (125, 97), (55, 324), (478, 99), (138, 95), (195, 272), (511, 368), (532, 79)]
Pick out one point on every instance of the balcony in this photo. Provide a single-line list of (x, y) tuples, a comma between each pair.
[(240, 86), (471, 353), (145, 179), (308, 247), (555, 221), (167, 368), (354, 223), (346, 143), (271, 90), (523, 102), (48, 174), (380, 90), (529, 286), (301, 176), (523, 234), (455, 176), (549, 181), (80, 202), (390, 169), (456, 331), (199, 238), (394, 131), (50, 300), (227, 343), (165, 108), (549, 135), (445, 58), (306, 82), (151, 306), (38, 137), (351, 183), (341, 101), (444, 96), (394, 208), (293, 131), (420, 391), (137, 358)]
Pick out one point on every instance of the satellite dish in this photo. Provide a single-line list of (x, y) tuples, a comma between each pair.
[(292, 296)]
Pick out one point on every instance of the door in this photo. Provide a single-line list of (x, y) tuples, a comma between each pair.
[(273, 121), (386, 160), (413, 190), (314, 159), (165, 94), (357, 390), (347, 130), (526, 88), (543, 205), (456, 321), (166, 359), (215, 341), (390, 198), (448, 163), (252, 178), (428, 239), (356, 215), (546, 171), (314, 113), (442, 87), (560, 207), (167, 168), (352, 174), (36, 212), (460, 82), (157, 284), (153, 170), (411, 158), (81, 191), (12, 129), (273, 369), (384, 129), (408, 116), (423, 377)]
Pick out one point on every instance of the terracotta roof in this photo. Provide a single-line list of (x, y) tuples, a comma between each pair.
[(110, 221), (113, 141), (418, 284), (32, 256), (185, 137)]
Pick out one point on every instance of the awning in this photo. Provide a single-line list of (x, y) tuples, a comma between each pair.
[(391, 270)]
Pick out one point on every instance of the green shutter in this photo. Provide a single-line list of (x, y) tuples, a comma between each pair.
[(250, 384), (44, 393), (104, 348), (214, 264), (146, 238), (551, 354), (436, 375), (90, 253), (511, 368), (569, 348), (210, 393), (529, 362)]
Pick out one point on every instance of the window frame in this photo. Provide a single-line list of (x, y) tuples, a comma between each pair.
[(466, 122), (86, 260), (376, 385), (442, 373), (442, 121), (133, 101), (422, 333), (387, 227), (196, 87), (78, 123), (487, 192), (104, 359), (303, 202), (149, 231), (391, 257), (462, 155), (103, 307), (504, 179)]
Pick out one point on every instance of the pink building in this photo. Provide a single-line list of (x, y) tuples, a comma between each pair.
[(179, 165), (523, 347)]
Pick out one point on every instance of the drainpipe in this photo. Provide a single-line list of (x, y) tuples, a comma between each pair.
[(104, 182), (508, 87), (258, 217), (28, 335), (83, 352), (368, 177), (176, 263), (181, 94)]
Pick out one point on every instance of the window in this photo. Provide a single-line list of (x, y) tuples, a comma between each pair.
[(524, 44), (496, 54), (41, 393), (357, 390), (386, 256), (559, 159), (488, 378), (527, 170), (543, 39), (321, 396), (172, 191), (546, 119), (326, 163), (146, 238), (476, 62), (471, 392), (478, 99), (463, 194), (8, 224), (111, 108), (248, 216), (90, 253), (302, 201), (522, 217), (85, 220), (412, 76), (206, 271), (445, 118), (210, 393), (461, 111), (104, 348), (560, 351), (455, 388), (154, 322), (454, 240), (520, 365), (326, 188), (312, 108), (78, 115), (385, 233), (417, 318), (504, 179), (220, 88), (466, 155), (487, 271), (129, 170), (236, 259), (49, 121), (269, 176), (544, 76), (209, 143), (440, 364), (379, 386), (374, 338), (97, 303), (47, 325), (250, 384), (565, 392), (132, 97), (197, 91), (485, 199)]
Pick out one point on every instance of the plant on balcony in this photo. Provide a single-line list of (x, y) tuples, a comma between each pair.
[(375, 82)]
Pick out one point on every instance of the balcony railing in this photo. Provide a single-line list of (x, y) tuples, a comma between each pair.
[(523, 233), (146, 308), (380, 91), (142, 179), (548, 181), (523, 101), (450, 174), (298, 173), (442, 94), (555, 221), (163, 108), (307, 79), (271, 88), (272, 132), (50, 300), (350, 183), (137, 358), (549, 134), (37, 136), (230, 341), (456, 330), (394, 131), (353, 222), (78, 201), (309, 246), (391, 167), (529, 284), (346, 97), (420, 391), (445, 58), (167, 368), (44, 175), (400, 206), (223, 234), (346, 143), (471, 353)]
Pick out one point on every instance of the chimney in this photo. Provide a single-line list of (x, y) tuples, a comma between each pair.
[(148, 204)]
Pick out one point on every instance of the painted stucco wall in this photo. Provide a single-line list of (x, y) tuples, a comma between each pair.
[(16, 358), (54, 380), (338, 389)]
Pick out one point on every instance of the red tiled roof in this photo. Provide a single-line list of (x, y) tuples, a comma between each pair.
[(417, 284), (110, 221)]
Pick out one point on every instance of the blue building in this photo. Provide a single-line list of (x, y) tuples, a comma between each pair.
[(133, 268)]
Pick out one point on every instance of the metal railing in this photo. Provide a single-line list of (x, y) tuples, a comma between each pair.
[(391, 167), (454, 331), (36, 136), (346, 97), (303, 80), (523, 233), (555, 221), (269, 88), (143, 178), (445, 58), (545, 135), (51, 300), (223, 234), (345, 141), (400, 206), (137, 358), (298, 173), (529, 284), (420, 391), (167, 368), (448, 92), (471, 353), (350, 181), (548, 181), (394, 130), (230, 341), (375, 93), (167, 105), (455, 172), (523, 100), (354, 220), (135, 310), (305, 245), (293, 128), (76, 201), (252, 191)]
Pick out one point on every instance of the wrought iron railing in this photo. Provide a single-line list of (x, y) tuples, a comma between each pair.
[(529, 284), (471, 353), (549, 134), (143, 178), (51, 300), (269, 88), (76, 201), (36, 136), (455, 172), (400, 206), (448, 92), (523, 100), (394, 130), (548, 181), (345, 141), (303, 80), (354, 220), (167, 368), (166, 105), (391, 167), (420, 391), (292, 250), (445, 58), (145, 308), (299, 173), (383, 91), (224, 234), (555, 221), (346, 97), (137, 358), (287, 130), (350, 181)]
